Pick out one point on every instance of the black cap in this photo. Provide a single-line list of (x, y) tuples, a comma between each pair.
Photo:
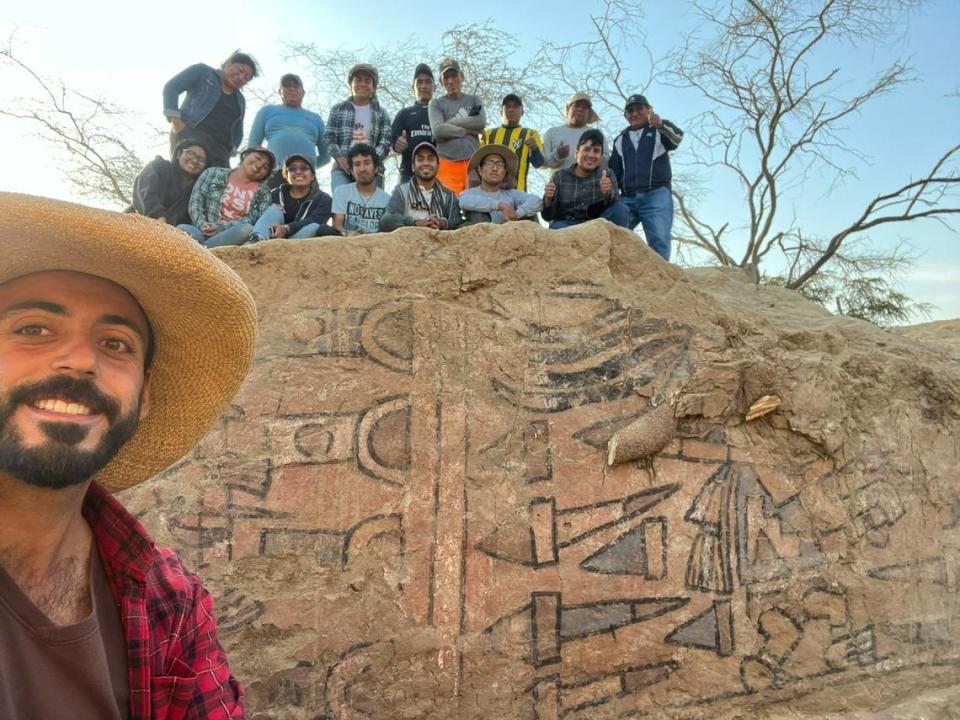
[(448, 64), (635, 100), (511, 97), (291, 79), (422, 69)]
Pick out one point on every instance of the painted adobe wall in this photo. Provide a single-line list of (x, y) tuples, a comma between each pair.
[(406, 513)]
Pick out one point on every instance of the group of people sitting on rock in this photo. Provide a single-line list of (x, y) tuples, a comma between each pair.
[(453, 170)]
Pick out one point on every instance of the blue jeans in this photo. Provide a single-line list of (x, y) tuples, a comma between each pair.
[(273, 215), (616, 213), (233, 235), (653, 208)]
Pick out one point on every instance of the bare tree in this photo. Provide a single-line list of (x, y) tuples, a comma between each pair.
[(89, 130), (484, 52), (778, 113), (604, 62)]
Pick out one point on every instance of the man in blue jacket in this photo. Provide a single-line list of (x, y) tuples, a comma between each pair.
[(212, 112), (641, 164)]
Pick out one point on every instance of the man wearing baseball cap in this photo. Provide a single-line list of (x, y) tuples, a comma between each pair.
[(423, 201), (641, 162), (525, 142), (121, 342), (289, 129), (457, 121), (411, 126), (358, 119), (300, 209), (558, 141)]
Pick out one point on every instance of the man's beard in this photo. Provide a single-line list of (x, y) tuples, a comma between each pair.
[(58, 463)]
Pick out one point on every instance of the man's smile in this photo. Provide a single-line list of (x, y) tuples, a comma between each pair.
[(62, 407)]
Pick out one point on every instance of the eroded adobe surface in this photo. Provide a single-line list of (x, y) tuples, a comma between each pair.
[(406, 512)]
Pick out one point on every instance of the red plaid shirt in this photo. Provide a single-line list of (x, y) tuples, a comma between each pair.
[(177, 669)]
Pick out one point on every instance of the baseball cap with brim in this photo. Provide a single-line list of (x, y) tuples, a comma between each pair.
[(291, 79), (635, 100), (425, 146), (297, 156), (511, 97), (422, 69), (509, 157), (577, 97), (363, 68), (263, 151), (203, 317), (447, 65)]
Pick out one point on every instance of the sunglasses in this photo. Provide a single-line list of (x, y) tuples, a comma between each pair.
[(298, 167)]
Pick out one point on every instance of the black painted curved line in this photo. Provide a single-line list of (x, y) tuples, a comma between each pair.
[(350, 532)]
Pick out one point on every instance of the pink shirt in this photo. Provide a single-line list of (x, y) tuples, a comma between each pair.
[(235, 203)]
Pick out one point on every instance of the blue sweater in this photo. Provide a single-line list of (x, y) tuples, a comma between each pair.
[(290, 131)]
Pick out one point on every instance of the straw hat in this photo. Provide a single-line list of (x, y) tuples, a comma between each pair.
[(508, 155), (203, 317), (584, 97)]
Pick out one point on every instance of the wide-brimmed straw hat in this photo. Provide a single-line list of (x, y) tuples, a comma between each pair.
[(203, 317), (508, 155)]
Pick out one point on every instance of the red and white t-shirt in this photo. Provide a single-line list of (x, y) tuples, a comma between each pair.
[(236, 200)]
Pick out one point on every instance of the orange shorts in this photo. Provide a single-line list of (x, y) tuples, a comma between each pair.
[(453, 174)]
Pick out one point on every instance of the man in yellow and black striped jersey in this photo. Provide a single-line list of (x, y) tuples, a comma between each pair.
[(525, 142)]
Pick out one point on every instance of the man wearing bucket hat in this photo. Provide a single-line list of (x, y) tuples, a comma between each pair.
[(641, 162), (121, 342), (358, 119), (494, 199), (558, 142)]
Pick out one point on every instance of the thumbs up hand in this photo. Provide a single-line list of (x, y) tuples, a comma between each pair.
[(549, 192), (401, 144), (606, 184)]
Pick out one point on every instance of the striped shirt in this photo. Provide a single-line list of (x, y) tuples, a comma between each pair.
[(515, 139)]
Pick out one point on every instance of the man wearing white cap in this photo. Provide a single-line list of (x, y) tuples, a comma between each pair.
[(559, 141), (121, 342)]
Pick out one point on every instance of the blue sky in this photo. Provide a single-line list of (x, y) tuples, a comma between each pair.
[(100, 47)]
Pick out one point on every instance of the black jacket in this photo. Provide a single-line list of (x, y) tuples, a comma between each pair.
[(162, 190), (314, 208)]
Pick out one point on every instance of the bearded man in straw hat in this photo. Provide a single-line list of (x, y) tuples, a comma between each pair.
[(121, 341)]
